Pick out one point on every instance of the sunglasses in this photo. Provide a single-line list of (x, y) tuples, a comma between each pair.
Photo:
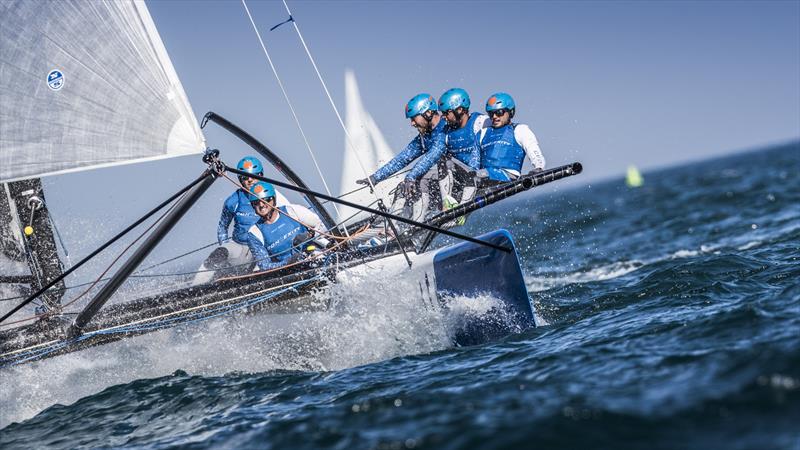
[(242, 178), (262, 203), (427, 115), (497, 112)]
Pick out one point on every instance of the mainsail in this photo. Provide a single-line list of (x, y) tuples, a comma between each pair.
[(369, 147), (85, 84)]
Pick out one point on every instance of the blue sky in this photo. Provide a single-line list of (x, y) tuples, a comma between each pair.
[(605, 83)]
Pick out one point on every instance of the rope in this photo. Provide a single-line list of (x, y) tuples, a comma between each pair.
[(348, 138), (100, 278), (286, 96), (139, 273)]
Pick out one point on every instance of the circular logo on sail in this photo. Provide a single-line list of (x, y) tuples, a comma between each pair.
[(55, 80)]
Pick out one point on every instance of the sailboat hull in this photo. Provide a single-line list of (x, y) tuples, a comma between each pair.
[(459, 272)]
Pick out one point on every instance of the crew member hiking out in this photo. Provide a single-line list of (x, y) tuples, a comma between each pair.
[(462, 146), (424, 116), (505, 145)]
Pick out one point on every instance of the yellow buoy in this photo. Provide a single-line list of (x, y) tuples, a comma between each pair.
[(28, 230), (634, 178)]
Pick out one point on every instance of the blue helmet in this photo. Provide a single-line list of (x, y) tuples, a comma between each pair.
[(420, 104), (261, 190), (500, 100), (250, 164), (454, 98)]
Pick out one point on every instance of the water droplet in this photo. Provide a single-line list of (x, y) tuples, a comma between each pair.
[(754, 226), (398, 403)]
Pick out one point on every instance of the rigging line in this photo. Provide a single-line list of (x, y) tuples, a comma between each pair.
[(58, 234), (275, 208), (364, 187), (103, 247), (330, 99), (125, 250), (138, 274), (100, 277), (286, 96)]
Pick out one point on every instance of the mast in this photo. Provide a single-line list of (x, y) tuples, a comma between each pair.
[(24, 209)]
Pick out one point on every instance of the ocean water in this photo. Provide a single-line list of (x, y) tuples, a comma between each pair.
[(669, 318)]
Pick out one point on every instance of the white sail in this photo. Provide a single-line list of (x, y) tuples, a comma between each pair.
[(86, 84), (371, 148)]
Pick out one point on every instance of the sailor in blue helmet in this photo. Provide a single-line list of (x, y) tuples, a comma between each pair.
[(505, 145), (282, 234), (237, 206), (233, 255), (424, 116), (462, 146)]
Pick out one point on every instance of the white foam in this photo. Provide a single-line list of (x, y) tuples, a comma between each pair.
[(749, 245), (368, 322), (605, 272)]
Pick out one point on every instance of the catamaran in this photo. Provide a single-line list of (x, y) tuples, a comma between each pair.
[(65, 110)]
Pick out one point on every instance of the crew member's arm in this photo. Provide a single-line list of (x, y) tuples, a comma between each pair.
[(530, 144), (306, 217), (410, 153), (479, 127), (260, 254), (224, 221), (435, 151)]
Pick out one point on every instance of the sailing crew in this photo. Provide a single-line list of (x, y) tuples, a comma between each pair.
[(462, 147), (233, 256), (505, 145), (282, 234), (424, 116), (463, 129)]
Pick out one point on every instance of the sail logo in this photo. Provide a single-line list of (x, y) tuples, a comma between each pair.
[(55, 80)]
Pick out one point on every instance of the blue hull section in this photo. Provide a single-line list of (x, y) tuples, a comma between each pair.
[(469, 270)]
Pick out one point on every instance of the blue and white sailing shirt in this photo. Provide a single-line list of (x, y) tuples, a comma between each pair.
[(461, 143), (237, 208), (503, 151), (431, 143), (271, 243)]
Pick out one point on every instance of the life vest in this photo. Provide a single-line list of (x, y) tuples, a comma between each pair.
[(278, 235), (244, 216), (463, 143), (500, 150)]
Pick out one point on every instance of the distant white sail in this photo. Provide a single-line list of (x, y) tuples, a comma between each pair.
[(373, 151), (86, 84)]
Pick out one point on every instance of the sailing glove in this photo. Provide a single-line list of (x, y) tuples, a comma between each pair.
[(367, 181), (409, 188)]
